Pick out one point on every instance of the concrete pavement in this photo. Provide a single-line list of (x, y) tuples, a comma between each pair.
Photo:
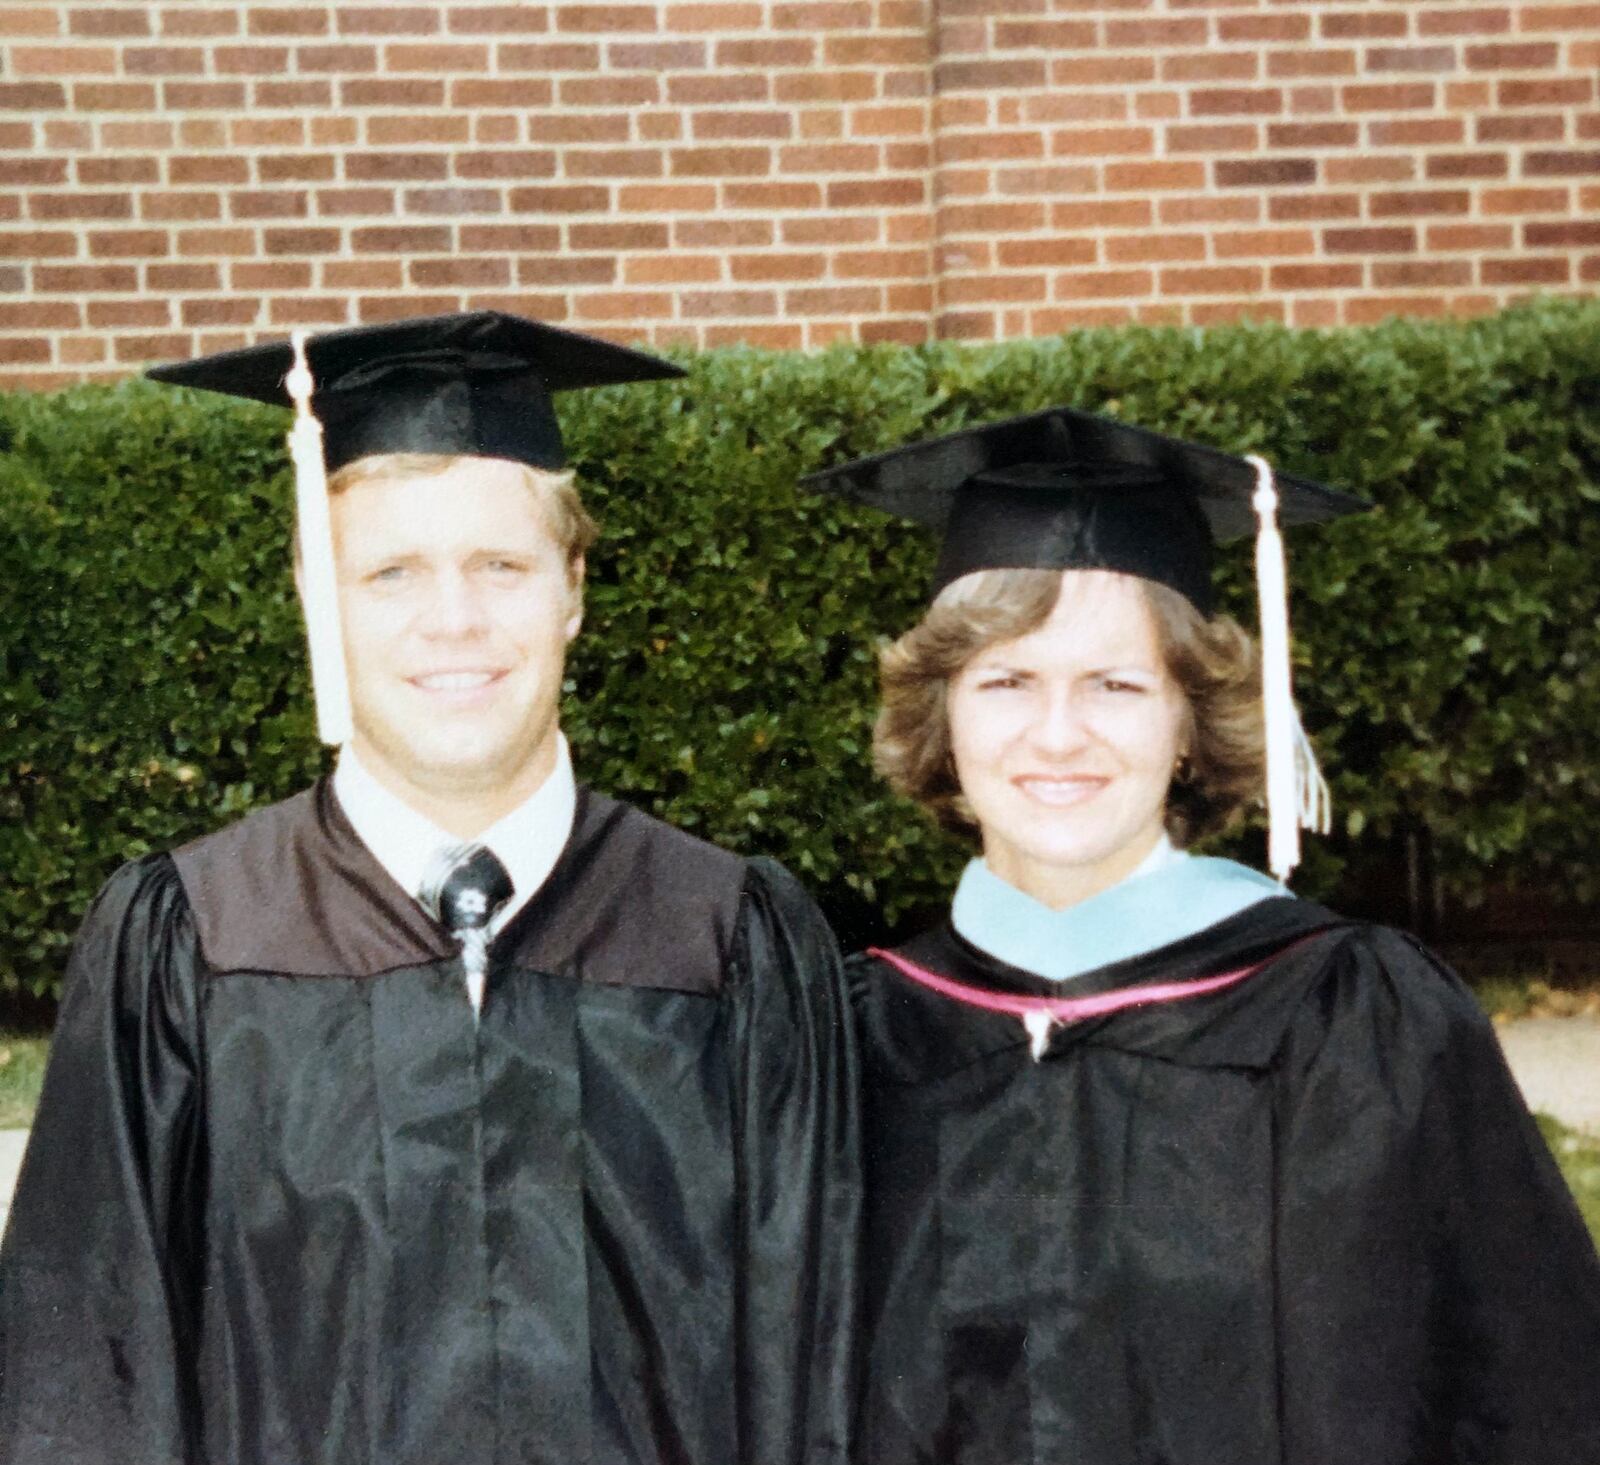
[(1556, 1061)]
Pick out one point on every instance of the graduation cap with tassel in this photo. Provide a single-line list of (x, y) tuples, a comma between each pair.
[(1064, 489), (478, 383)]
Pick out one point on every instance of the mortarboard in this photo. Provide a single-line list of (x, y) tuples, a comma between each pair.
[(477, 384), (1064, 489)]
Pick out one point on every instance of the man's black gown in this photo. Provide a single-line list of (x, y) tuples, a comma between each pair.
[(1305, 1220), (287, 1203)]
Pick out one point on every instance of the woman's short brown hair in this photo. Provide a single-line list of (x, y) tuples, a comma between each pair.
[(1213, 662), (556, 489)]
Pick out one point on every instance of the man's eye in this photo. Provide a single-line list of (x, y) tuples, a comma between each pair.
[(389, 574)]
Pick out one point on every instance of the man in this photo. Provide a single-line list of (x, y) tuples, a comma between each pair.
[(448, 1111)]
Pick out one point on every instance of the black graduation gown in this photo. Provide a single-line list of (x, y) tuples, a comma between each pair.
[(1305, 1220), (285, 1202)]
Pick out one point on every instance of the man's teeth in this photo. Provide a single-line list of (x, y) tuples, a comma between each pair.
[(455, 681)]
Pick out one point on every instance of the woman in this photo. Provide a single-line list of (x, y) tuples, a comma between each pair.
[(1164, 1164)]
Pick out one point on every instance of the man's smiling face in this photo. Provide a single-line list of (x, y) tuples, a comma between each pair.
[(458, 604)]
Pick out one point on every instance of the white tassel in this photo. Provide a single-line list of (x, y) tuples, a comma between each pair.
[(1297, 795), (1038, 1023), (319, 579)]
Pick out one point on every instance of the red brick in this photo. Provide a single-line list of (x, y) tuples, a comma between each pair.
[(988, 76), (1371, 168), (1567, 163), (164, 61), (1263, 243), (1102, 284), (623, 305), (602, 18), (435, 273), (1411, 132), (392, 131), (1163, 247), (411, 92), (1551, 91), (715, 17), (1077, 317), (1163, 32), (1558, 17), (863, 193), (202, 96), (518, 163), (1313, 314), (720, 162), (893, 121), (269, 203), (831, 229), (1313, 134), (1233, 312), (1099, 142), (851, 300), (722, 233), (295, 168), (48, 206), (232, 311), (1314, 277), (387, 20), (188, 206), (1074, 107), (17, 172), (345, 59), (1525, 56), (1392, 240), (302, 241), (1265, 172), (1468, 165), (32, 96), (769, 338), (63, 60), (1473, 21), (557, 199), (725, 124), (647, 198), (437, 57), (15, 351), (250, 60), (513, 238), (1212, 280), (1389, 97), (776, 267), (619, 236), (396, 167), (39, 243), (84, 279), (339, 202), (486, 20), (610, 91), (1550, 270), (569, 269), (1235, 101), (1211, 66), (274, 275), (1048, 253), (731, 86), (1568, 234), (1412, 58), (766, 52), (215, 242), (40, 315), (1524, 200), (400, 239), (1418, 204), (1421, 273), (103, 314), (307, 310), (1311, 61), (189, 19), (1101, 70), (987, 288), (374, 308), (1209, 208), (113, 97), (1362, 25), (1111, 213), (611, 163), (1046, 35), (303, 96), (880, 264), (1263, 27), (176, 278), (1288, 207), (452, 202), (1155, 175), (1472, 237), (672, 269), (102, 21)]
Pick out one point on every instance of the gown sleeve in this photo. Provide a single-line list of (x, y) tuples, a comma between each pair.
[(99, 1270), (797, 1166), (1438, 1291)]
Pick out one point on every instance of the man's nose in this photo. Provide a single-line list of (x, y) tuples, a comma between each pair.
[(455, 606)]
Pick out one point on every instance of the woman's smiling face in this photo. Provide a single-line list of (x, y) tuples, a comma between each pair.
[(1065, 740)]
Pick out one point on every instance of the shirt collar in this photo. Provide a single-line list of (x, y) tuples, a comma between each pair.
[(1170, 896), (528, 841)]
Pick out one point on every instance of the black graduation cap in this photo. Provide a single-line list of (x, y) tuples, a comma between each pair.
[(478, 383), (1064, 489)]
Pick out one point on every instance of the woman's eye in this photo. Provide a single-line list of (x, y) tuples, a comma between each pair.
[(1117, 684), (999, 683)]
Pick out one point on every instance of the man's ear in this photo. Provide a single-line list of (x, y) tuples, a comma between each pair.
[(575, 571)]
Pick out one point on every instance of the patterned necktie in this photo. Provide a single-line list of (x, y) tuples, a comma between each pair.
[(464, 887)]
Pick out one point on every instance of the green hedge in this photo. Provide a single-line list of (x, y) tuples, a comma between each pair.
[(155, 687)]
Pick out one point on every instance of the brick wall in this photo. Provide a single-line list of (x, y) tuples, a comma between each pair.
[(181, 177)]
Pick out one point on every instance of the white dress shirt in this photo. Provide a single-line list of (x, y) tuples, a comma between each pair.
[(528, 841)]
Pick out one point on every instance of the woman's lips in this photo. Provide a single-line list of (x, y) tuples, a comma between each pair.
[(1059, 791)]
